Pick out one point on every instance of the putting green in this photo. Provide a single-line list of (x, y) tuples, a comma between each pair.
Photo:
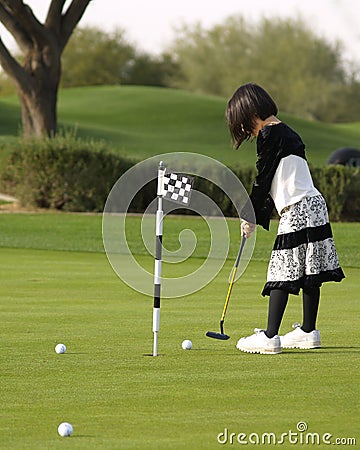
[(116, 396)]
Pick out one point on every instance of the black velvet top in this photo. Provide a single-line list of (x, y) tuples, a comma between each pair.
[(274, 142)]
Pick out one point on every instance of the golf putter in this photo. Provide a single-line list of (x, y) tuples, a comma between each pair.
[(222, 336)]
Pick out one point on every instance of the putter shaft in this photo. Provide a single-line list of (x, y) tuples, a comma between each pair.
[(222, 335)]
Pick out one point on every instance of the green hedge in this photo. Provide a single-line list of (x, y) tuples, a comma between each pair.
[(63, 173), (71, 174), (340, 186)]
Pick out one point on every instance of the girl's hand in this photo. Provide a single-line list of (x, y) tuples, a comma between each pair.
[(247, 228)]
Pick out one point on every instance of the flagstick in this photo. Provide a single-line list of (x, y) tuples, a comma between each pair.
[(158, 256)]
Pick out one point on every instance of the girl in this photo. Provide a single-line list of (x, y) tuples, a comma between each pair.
[(304, 254)]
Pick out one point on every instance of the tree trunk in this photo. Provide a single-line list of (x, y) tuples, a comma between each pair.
[(38, 114), (38, 111), (38, 98), (37, 79)]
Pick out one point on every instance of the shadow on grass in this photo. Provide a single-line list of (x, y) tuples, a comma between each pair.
[(79, 436), (76, 353)]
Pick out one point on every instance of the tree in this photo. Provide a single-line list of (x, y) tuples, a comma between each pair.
[(304, 72), (37, 75), (148, 70), (94, 57)]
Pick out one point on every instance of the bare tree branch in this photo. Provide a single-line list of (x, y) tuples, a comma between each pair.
[(71, 18), (12, 67), (26, 19), (54, 16), (19, 34)]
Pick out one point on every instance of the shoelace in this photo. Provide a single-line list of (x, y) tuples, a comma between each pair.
[(258, 330)]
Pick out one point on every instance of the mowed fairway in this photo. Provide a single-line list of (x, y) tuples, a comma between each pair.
[(57, 286)]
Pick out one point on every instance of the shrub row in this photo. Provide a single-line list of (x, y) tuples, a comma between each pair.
[(63, 173), (340, 186), (71, 174)]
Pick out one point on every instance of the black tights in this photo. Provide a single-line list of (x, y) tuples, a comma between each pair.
[(277, 304)]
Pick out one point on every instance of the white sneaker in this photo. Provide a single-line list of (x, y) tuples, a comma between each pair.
[(300, 339), (260, 343)]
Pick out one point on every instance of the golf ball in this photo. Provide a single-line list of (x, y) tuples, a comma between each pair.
[(186, 345), (60, 348), (65, 429)]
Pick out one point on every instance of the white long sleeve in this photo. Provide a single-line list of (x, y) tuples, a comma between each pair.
[(292, 182)]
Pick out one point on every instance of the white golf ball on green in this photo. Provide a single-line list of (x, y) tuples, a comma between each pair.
[(186, 344), (65, 429), (60, 348)]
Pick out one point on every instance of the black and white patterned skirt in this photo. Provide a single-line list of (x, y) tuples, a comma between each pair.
[(304, 253)]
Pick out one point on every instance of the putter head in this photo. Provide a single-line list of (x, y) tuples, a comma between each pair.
[(220, 336)]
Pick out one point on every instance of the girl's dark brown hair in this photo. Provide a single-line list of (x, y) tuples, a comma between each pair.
[(249, 101)]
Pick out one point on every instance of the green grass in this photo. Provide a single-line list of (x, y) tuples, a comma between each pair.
[(144, 121), (82, 232), (57, 286)]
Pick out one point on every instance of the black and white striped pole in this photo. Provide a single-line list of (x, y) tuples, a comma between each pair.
[(158, 256)]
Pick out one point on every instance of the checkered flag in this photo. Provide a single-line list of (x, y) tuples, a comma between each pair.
[(177, 187)]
